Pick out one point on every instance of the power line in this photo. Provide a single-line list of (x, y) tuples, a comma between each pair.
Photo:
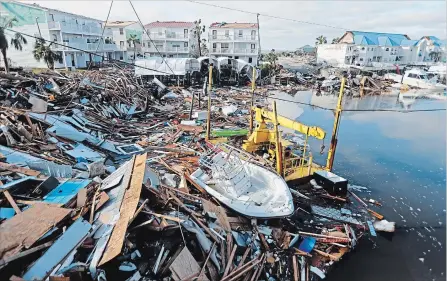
[(90, 64), (142, 26), (88, 52), (355, 110), (266, 15)]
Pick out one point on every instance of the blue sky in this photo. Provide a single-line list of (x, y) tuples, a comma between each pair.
[(414, 18)]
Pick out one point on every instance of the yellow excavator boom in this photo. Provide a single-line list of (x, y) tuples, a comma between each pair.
[(262, 115)]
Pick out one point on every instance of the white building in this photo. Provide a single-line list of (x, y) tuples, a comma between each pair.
[(234, 40), (172, 39), (73, 31), (373, 49), (121, 32)]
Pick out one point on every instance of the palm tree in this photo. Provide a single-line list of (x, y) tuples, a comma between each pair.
[(320, 40), (434, 56), (42, 51), (335, 40), (17, 40), (197, 31), (133, 39)]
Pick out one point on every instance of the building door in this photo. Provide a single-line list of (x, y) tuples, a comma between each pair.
[(253, 35), (72, 60), (185, 33), (214, 34)]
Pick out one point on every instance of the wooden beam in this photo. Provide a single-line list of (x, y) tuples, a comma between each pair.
[(295, 269), (12, 202), (198, 187), (17, 169), (230, 261), (127, 210)]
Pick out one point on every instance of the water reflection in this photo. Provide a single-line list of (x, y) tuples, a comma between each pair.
[(400, 157)]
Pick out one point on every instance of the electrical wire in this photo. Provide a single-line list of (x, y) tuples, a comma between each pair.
[(354, 110), (90, 64), (152, 42), (266, 15), (88, 52)]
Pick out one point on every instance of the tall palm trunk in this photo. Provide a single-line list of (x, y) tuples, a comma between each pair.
[(5, 60), (200, 47)]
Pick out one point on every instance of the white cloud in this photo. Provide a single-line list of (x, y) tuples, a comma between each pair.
[(414, 18)]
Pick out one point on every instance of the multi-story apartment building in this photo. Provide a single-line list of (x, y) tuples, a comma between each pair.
[(381, 49), (172, 39), (121, 32), (234, 40), (70, 30)]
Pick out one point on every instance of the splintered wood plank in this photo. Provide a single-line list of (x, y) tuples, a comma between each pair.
[(81, 197), (220, 212), (127, 210), (11, 201), (25, 228), (17, 169)]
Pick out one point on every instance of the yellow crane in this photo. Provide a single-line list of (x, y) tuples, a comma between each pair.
[(289, 164)]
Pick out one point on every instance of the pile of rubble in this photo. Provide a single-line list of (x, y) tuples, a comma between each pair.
[(95, 171)]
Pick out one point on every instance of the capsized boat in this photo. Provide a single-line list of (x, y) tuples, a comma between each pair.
[(235, 179)]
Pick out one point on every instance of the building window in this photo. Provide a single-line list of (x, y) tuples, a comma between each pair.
[(236, 57), (361, 59), (214, 46), (122, 44), (253, 46), (240, 33), (144, 44), (224, 45), (185, 33), (121, 57), (387, 49), (253, 34), (363, 48), (52, 17), (185, 44), (227, 33), (121, 31), (369, 59), (250, 60), (214, 34)]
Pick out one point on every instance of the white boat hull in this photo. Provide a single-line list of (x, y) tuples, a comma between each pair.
[(268, 195)]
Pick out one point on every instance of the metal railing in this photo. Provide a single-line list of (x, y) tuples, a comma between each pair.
[(166, 49), (233, 37), (75, 28), (245, 51), (168, 35), (83, 45), (233, 51)]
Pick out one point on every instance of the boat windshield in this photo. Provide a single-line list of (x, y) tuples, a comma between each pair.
[(423, 77)]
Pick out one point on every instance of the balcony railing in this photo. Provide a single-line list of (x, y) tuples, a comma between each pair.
[(171, 35), (232, 37), (166, 49), (83, 45), (74, 27), (233, 51)]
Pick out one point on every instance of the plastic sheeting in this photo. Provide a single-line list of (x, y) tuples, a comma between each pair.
[(180, 66)]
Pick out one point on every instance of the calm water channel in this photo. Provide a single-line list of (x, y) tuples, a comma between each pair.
[(401, 159)]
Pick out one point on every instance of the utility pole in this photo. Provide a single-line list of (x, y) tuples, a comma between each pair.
[(208, 121), (334, 140), (38, 27), (259, 47), (253, 86)]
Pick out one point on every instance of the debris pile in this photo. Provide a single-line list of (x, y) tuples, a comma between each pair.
[(96, 182)]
